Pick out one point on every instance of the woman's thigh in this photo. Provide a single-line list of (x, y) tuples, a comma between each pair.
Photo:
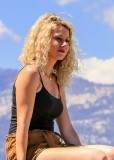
[(72, 153)]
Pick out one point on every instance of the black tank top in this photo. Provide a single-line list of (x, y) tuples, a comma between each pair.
[(46, 109)]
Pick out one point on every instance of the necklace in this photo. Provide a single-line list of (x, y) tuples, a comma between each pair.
[(50, 76)]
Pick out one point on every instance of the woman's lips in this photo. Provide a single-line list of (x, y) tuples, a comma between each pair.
[(61, 51)]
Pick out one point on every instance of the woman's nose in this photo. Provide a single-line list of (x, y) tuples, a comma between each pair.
[(64, 43)]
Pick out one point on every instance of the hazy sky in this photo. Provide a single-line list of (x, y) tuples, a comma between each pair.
[(93, 22)]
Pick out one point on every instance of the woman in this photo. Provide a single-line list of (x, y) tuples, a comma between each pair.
[(39, 98)]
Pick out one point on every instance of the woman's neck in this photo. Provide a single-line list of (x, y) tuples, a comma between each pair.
[(49, 66)]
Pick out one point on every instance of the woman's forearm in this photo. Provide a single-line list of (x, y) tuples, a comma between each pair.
[(70, 136), (21, 142)]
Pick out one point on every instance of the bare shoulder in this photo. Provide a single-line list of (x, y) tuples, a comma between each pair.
[(28, 75), (30, 69)]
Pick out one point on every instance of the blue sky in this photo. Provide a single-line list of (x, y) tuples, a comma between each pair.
[(93, 22)]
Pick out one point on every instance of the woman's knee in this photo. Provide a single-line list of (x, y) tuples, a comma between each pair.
[(98, 155), (110, 153)]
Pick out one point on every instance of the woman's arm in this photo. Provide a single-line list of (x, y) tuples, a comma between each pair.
[(66, 129), (26, 86)]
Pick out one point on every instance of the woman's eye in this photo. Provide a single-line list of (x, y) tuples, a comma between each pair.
[(58, 38), (62, 40), (67, 40)]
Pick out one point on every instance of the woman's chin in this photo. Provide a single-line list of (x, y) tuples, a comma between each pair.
[(60, 56)]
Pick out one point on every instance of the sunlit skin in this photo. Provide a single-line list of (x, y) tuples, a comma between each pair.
[(59, 44), (59, 47)]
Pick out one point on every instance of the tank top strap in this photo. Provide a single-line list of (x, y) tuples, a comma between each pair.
[(41, 78), (58, 88), (57, 84)]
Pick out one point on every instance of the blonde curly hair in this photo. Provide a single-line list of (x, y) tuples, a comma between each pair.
[(36, 48)]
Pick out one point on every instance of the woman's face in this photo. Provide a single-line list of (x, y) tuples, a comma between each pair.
[(59, 44)]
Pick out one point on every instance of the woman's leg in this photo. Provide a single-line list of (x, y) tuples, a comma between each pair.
[(109, 150), (72, 153)]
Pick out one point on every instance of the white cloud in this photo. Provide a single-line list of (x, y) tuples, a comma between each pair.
[(91, 7), (98, 70), (108, 16), (106, 111), (6, 31), (64, 2), (103, 13), (97, 17), (99, 125), (5, 102), (94, 139), (106, 1), (91, 98)]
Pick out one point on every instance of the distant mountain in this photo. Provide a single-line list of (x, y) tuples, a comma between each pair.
[(6, 78), (91, 109), (90, 106)]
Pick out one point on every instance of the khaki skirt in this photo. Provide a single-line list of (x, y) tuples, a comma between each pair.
[(38, 140)]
